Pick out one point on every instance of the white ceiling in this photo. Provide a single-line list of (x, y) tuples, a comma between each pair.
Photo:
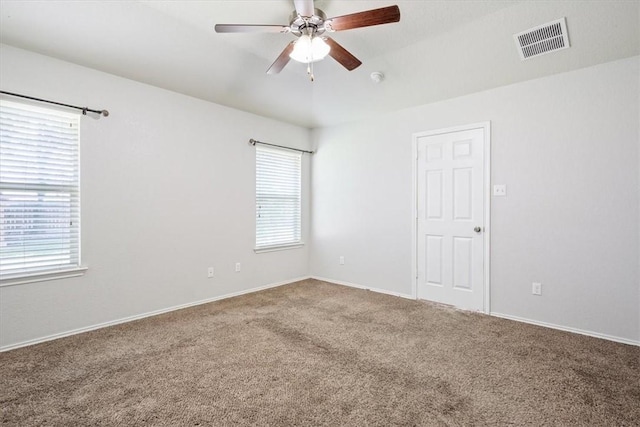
[(438, 50)]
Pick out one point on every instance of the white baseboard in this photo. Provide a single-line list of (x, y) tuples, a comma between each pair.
[(504, 316), (353, 285), (567, 329), (147, 314), (274, 285)]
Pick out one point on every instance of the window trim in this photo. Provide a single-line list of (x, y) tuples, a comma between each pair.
[(43, 276), (275, 248)]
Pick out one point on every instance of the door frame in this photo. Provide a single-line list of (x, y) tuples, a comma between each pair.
[(486, 127)]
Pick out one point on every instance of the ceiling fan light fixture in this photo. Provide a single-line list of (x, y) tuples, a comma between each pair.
[(308, 49)]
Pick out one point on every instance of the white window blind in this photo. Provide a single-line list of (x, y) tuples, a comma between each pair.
[(39, 190), (278, 199)]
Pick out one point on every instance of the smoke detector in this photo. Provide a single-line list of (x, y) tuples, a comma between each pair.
[(542, 39), (377, 77)]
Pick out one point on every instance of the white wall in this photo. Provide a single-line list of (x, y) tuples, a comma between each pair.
[(168, 181), (167, 190), (567, 148)]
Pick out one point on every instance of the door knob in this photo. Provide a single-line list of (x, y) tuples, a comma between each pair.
[(477, 229)]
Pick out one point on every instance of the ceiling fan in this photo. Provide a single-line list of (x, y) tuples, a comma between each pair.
[(310, 25)]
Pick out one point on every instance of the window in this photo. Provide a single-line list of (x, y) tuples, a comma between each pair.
[(39, 191), (278, 200)]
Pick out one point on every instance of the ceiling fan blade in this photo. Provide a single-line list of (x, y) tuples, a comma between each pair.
[(385, 15), (250, 28), (282, 60), (342, 55), (304, 7)]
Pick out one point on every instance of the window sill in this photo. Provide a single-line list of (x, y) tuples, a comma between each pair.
[(43, 276), (278, 248)]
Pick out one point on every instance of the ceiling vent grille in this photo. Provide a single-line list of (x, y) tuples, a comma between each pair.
[(542, 39)]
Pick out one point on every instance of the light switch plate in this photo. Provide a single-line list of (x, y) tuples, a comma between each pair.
[(499, 190)]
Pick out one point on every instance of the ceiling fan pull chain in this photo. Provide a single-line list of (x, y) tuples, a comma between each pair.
[(309, 65), (310, 70)]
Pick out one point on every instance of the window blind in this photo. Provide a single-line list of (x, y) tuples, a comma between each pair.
[(39, 190), (278, 197)]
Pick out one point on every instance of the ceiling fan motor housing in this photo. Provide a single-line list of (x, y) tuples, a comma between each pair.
[(311, 25)]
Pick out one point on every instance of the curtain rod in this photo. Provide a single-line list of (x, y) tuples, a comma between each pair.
[(254, 142), (84, 109)]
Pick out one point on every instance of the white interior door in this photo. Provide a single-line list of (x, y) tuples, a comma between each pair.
[(450, 225)]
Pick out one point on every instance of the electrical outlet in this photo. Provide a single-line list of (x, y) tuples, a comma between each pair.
[(499, 190), (237, 267), (210, 272), (536, 288), (341, 260)]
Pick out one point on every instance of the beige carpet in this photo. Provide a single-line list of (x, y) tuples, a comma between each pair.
[(313, 353)]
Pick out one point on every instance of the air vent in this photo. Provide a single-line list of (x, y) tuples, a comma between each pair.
[(542, 39)]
